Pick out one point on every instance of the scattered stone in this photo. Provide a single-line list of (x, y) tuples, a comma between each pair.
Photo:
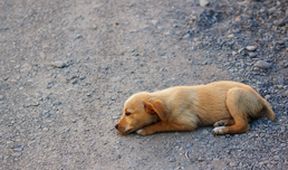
[(171, 159), (232, 164), (267, 97), (18, 147), (46, 114), (285, 63), (203, 3), (240, 50), (1, 97), (179, 167), (45, 129), (82, 77), (252, 54), (187, 35), (230, 36), (251, 48), (200, 159), (30, 102), (78, 36), (74, 81), (50, 84), (61, 64), (234, 53), (285, 93), (25, 67), (57, 103), (154, 22), (6, 78), (115, 117), (262, 64)]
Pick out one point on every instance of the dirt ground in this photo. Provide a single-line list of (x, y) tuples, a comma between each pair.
[(67, 66)]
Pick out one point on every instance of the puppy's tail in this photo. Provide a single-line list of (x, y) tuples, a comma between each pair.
[(267, 108)]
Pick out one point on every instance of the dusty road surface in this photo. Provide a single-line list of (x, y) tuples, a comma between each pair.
[(67, 66)]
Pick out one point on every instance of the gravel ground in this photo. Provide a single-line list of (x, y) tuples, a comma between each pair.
[(67, 66)]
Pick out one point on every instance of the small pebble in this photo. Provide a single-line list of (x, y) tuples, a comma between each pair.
[(234, 53), (18, 148), (252, 54), (50, 84), (262, 64), (1, 97), (172, 159), (115, 117), (230, 36), (251, 48), (61, 64), (203, 3)]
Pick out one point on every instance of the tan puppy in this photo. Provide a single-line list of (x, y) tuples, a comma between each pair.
[(227, 105)]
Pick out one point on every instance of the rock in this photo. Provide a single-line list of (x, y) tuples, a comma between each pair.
[(18, 148), (25, 67), (252, 54), (267, 97), (187, 35), (262, 64), (230, 36), (115, 117), (240, 50), (203, 3), (74, 81), (82, 77), (46, 114), (29, 102), (50, 84), (234, 53), (179, 167), (154, 22), (285, 63), (200, 159), (232, 164), (61, 64), (78, 36), (1, 97), (251, 48), (171, 159), (57, 103)]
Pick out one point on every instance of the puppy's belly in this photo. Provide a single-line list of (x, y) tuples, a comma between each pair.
[(211, 116), (200, 116)]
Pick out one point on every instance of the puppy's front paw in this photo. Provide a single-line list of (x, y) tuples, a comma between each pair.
[(142, 132), (219, 130)]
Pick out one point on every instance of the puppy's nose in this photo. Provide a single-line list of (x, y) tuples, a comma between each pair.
[(116, 126)]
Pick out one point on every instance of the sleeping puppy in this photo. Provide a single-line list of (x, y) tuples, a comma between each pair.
[(227, 105)]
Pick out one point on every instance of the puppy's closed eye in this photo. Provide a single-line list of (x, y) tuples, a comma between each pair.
[(127, 113)]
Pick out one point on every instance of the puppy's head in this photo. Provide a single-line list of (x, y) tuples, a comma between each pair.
[(139, 111)]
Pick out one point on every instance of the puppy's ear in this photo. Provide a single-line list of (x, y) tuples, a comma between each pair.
[(153, 106)]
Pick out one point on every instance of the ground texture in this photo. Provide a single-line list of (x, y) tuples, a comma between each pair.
[(67, 66)]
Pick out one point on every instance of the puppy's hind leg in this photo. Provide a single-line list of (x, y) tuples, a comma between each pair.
[(238, 103)]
